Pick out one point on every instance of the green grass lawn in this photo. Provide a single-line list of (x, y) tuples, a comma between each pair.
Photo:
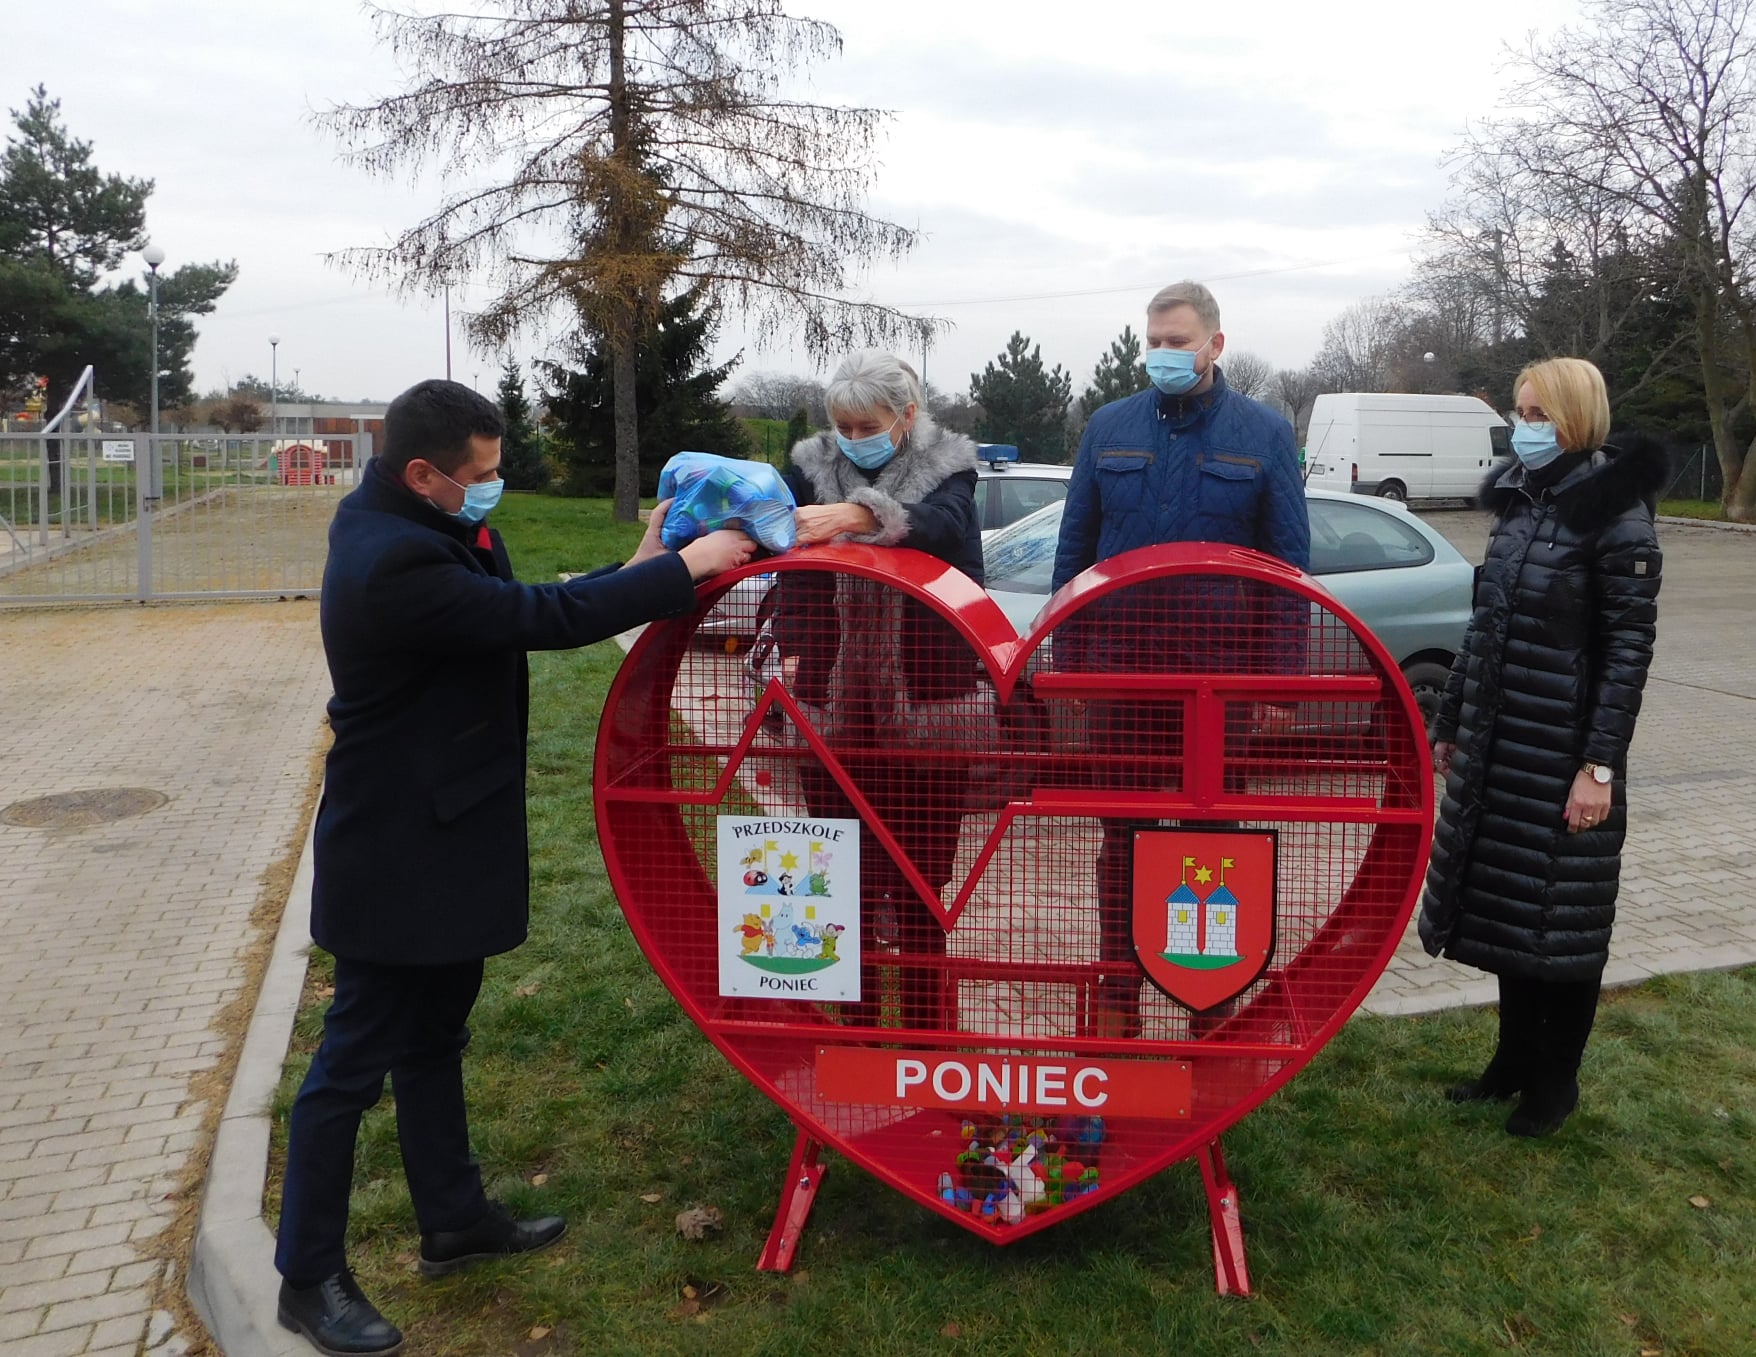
[(1380, 1219), (1693, 508)]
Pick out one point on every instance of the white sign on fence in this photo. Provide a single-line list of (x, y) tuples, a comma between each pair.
[(118, 450)]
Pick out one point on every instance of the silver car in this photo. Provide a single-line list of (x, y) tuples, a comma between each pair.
[(1387, 567)]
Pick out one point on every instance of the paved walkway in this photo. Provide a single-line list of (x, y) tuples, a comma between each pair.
[(1688, 897), (120, 943)]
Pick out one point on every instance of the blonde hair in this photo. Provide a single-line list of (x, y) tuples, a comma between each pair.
[(1571, 392)]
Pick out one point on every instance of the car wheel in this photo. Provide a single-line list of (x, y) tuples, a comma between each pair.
[(1395, 490), (1427, 678)]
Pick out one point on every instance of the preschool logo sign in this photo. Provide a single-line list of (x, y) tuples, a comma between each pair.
[(1204, 903), (789, 911)]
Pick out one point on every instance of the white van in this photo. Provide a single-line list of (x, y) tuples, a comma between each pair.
[(1403, 447)]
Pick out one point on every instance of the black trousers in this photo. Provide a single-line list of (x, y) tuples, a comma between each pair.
[(1544, 1025), (407, 1022)]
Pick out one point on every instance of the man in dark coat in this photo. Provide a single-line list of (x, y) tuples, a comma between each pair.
[(422, 866)]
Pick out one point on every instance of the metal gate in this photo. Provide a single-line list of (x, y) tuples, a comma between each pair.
[(96, 517)]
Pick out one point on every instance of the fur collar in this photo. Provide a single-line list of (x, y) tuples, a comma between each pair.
[(1630, 468), (931, 457)]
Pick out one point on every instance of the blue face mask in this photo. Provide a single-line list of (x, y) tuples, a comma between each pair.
[(478, 499), (1173, 370), (868, 453), (1535, 443)]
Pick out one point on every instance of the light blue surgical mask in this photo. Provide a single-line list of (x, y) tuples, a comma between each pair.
[(1173, 370), (478, 499), (869, 453), (1535, 443)]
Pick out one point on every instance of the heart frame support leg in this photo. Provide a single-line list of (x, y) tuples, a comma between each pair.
[(803, 1176), (1231, 1276)]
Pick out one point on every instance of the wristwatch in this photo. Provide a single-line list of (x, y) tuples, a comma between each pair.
[(1601, 773)]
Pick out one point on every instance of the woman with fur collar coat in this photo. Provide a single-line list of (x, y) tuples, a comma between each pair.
[(1533, 732), (878, 672)]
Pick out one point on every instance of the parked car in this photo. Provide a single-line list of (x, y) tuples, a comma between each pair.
[(1389, 568)]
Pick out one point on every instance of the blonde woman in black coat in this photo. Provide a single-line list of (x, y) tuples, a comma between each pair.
[(1533, 734)]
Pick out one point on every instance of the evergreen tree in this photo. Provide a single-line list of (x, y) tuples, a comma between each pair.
[(64, 226), (678, 405), (1118, 373), (521, 450), (798, 428), (1023, 403)]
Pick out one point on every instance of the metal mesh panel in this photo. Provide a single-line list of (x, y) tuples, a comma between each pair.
[(133, 516), (1003, 796)]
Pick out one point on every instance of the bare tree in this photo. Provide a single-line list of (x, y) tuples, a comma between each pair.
[(1296, 389), (1360, 346), (1249, 374), (236, 414), (618, 151), (777, 395), (1653, 106)]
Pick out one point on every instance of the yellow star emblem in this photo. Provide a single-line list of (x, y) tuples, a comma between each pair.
[(1203, 875), (788, 861)]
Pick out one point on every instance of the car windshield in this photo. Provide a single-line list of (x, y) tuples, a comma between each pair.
[(1345, 536), (1020, 559)]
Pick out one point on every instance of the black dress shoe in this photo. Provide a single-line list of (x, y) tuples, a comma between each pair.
[(495, 1235), (336, 1318)]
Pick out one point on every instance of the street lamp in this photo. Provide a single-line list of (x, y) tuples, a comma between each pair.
[(273, 384), (154, 256)]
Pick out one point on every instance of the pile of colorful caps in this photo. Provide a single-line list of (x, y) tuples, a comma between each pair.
[(1021, 1166)]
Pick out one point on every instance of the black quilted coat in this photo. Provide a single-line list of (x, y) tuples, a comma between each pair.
[(1548, 679)]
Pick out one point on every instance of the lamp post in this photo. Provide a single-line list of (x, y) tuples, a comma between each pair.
[(273, 385), (154, 256)]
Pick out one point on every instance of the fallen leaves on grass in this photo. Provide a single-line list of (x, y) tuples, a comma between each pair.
[(652, 1198), (541, 1332), (1699, 1202), (951, 1330), (697, 1221), (525, 991), (538, 1179), (698, 1297)]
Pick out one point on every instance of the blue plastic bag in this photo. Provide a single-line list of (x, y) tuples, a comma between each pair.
[(708, 492)]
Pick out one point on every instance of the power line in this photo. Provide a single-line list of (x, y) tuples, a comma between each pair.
[(1140, 287)]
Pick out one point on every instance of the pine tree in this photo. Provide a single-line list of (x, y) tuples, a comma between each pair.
[(1118, 373), (678, 405), (64, 226), (1022, 403), (521, 450)]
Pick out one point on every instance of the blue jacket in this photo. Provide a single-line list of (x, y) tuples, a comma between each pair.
[(1217, 467)]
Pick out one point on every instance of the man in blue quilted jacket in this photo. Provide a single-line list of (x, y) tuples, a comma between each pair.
[(1186, 460)]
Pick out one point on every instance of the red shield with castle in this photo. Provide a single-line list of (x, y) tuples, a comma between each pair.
[(1204, 911)]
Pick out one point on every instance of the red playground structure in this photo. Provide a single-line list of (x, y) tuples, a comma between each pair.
[(1016, 922)]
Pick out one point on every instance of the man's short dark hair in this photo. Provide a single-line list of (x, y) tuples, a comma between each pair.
[(435, 420)]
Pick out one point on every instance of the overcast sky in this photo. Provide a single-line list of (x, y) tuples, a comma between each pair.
[(1062, 161)]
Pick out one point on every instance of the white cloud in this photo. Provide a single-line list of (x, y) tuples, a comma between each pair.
[(1043, 149)]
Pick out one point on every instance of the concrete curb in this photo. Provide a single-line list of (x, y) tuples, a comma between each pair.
[(232, 1282), (1678, 521)]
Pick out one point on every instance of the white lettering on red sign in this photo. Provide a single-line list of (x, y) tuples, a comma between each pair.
[(1142, 1088)]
